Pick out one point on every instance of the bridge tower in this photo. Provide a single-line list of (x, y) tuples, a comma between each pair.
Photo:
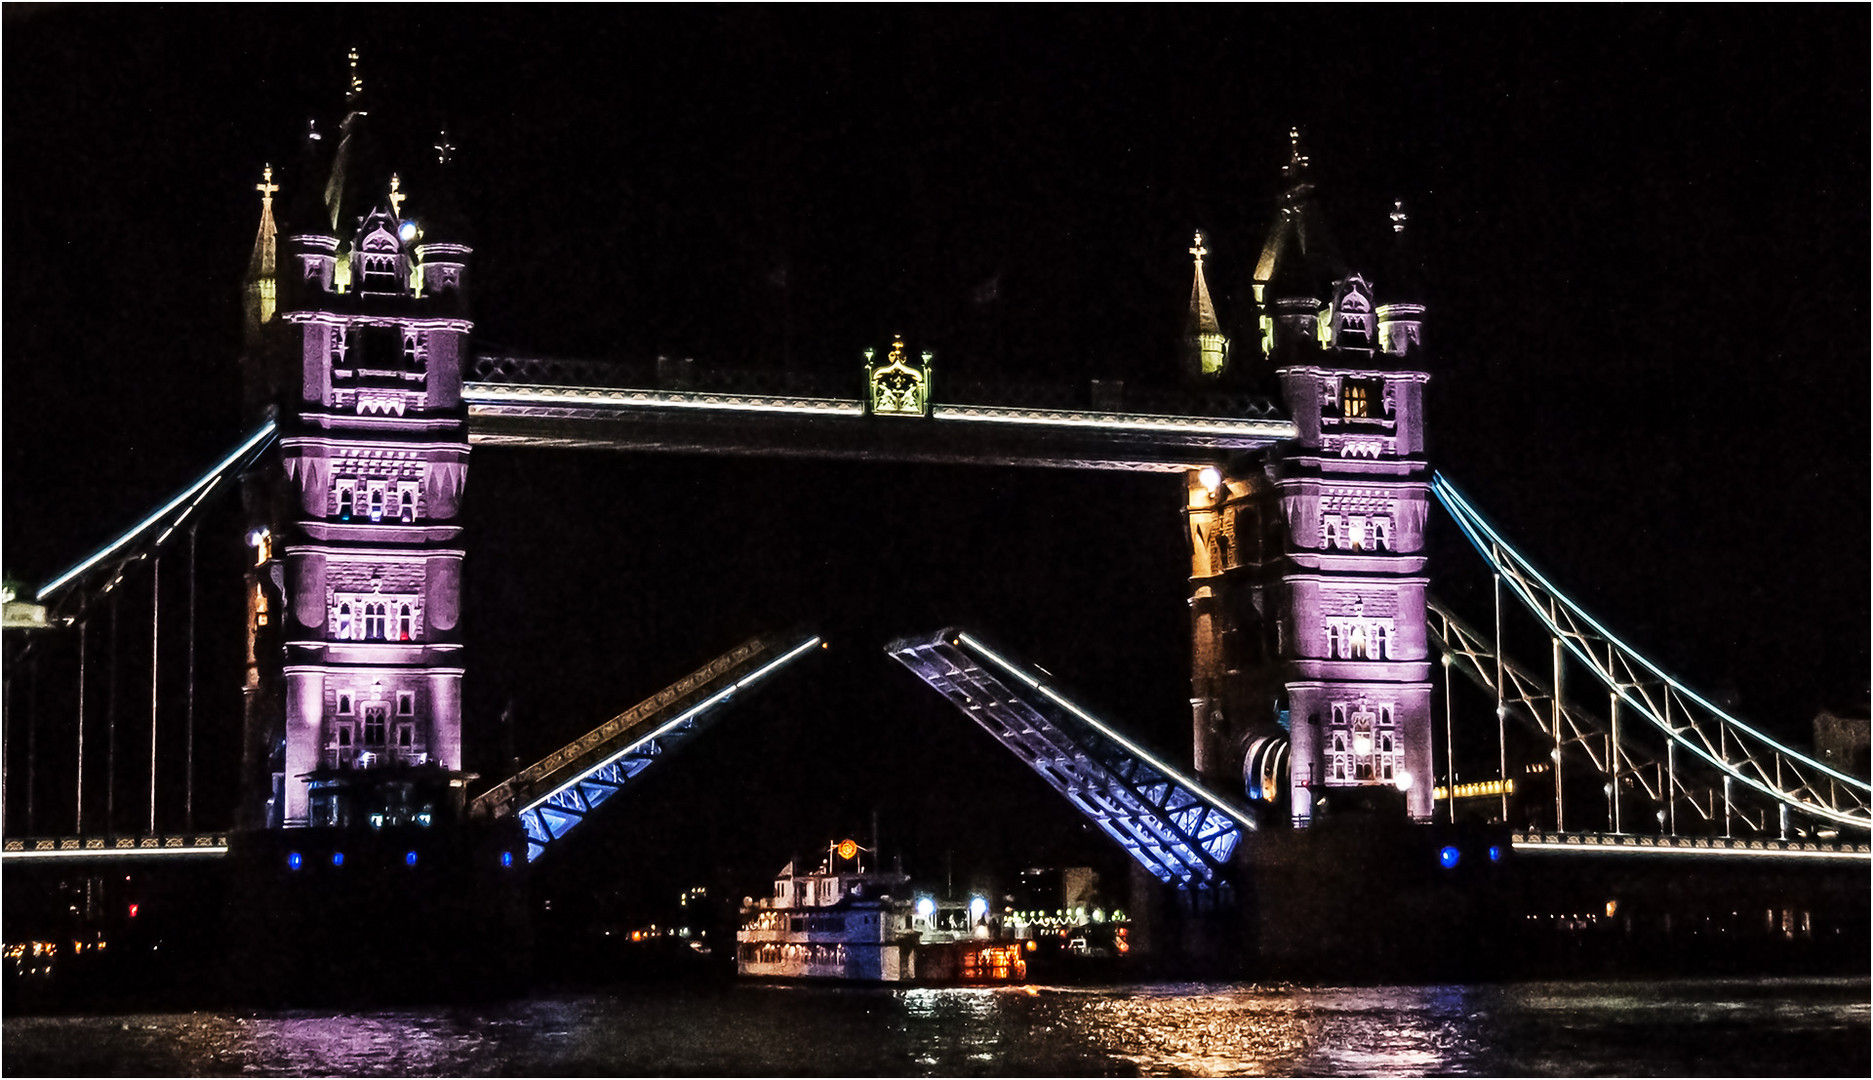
[(355, 666), (1311, 669)]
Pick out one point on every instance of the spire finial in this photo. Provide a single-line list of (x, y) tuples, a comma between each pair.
[(266, 187), (1199, 250), (396, 197), (444, 148), (1297, 161), (357, 84), (1398, 215)]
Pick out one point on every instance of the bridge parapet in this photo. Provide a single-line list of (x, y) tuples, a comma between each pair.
[(1592, 843)]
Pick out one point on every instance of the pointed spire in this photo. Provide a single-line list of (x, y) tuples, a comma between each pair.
[(1206, 348), (1295, 171), (261, 265), (1202, 312), (396, 196)]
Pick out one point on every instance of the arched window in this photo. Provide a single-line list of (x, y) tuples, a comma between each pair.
[(344, 504), (1356, 647), (1333, 639), (405, 624), (344, 735), (377, 504), (1378, 643), (408, 511), (1332, 528), (344, 704), (342, 629), (1356, 536), (1380, 540), (374, 726), (374, 618)]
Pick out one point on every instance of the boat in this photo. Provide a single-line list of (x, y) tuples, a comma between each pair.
[(844, 922)]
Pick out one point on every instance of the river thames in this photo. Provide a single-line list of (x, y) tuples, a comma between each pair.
[(1756, 1027)]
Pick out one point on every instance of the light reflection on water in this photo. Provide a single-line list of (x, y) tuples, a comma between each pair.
[(1670, 1027)]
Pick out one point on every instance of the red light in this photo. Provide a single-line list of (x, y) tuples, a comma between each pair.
[(133, 910)]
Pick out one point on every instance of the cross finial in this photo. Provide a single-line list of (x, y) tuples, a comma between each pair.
[(396, 197), (266, 187), (1398, 215), (357, 84), (312, 130), (444, 148), (1199, 250)]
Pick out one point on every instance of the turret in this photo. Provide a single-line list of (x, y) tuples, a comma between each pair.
[(1206, 349)]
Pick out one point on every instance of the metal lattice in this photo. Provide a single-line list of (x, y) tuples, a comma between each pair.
[(1177, 830), (1693, 725), (553, 795)]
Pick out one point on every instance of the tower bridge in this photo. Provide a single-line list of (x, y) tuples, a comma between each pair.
[(1316, 646)]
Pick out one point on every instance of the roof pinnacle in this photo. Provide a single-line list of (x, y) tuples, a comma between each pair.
[(266, 188), (396, 197), (1398, 215), (1199, 250), (444, 148), (356, 86), (1297, 161)]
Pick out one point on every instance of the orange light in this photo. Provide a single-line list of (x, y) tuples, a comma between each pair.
[(1030, 944), (133, 910), (848, 849)]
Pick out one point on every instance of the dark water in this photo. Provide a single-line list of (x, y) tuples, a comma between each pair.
[(1792, 1027)]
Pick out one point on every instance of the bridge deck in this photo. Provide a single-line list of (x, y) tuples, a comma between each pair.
[(1708, 847), (642, 418)]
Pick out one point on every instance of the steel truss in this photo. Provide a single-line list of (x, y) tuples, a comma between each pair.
[(1176, 829), (1740, 753), (111, 562), (556, 793)]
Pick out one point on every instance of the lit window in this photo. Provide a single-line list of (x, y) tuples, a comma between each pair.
[(405, 624), (342, 629), (377, 504), (344, 504), (1355, 399), (374, 618), (1357, 646), (408, 507)]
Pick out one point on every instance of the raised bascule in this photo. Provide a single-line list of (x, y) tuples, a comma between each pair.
[(1314, 782)]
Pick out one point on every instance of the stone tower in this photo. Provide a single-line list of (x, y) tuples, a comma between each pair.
[(1310, 664), (357, 574)]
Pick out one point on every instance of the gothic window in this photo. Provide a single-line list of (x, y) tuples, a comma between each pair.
[(406, 703), (1378, 643), (338, 345), (1339, 744), (344, 504), (405, 624), (1333, 639), (342, 630), (344, 704), (1385, 744), (410, 351), (374, 618), (1385, 715), (1356, 399), (1331, 530), (374, 721), (1356, 647), (377, 504), (406, 735), (407, 502), (1380, 540), (344, 735), (1356, 536)]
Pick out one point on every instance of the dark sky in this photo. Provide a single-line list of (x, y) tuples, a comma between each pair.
[(1645, 236)]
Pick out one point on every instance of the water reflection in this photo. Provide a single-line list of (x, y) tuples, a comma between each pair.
[(1753, 1027)]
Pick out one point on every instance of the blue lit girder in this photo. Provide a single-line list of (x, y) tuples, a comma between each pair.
[(1175, 828), (558, 792), (1791, 778)]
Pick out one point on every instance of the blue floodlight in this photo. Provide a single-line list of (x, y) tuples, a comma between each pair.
[(1449, 857), (507, 858), (338, 858), (293, 860), (409, 859), (1495, 853)]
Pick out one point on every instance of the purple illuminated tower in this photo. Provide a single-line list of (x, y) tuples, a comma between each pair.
[(1308, 581), (355, 591)]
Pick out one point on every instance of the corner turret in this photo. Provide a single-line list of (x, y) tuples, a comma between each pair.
[(1206, 349)]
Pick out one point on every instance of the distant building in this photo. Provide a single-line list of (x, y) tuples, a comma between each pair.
[(1841, 739)]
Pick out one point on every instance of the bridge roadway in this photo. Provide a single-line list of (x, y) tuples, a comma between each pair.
[(1525, 842), (520, 402)]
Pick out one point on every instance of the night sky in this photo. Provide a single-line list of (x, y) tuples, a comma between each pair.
[(1645, 244)]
